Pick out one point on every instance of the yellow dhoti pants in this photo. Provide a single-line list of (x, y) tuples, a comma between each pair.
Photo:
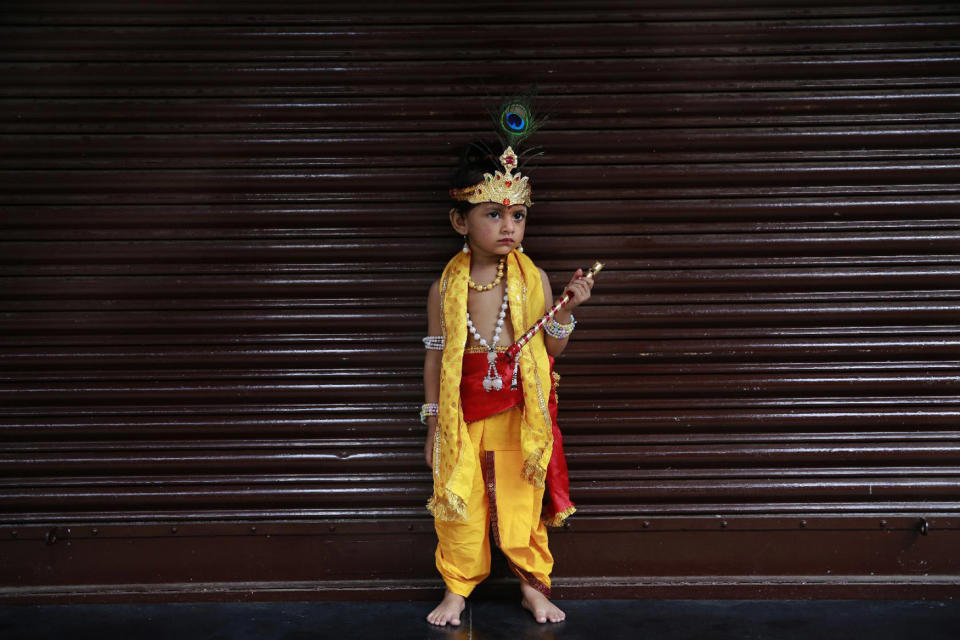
[(502, 502)]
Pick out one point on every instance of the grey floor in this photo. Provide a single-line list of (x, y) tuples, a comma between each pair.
[(593, 619)]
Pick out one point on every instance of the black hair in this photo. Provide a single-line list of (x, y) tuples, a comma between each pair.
[(474, 159)]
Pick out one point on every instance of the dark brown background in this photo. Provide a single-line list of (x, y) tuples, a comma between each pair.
[(220, 220)]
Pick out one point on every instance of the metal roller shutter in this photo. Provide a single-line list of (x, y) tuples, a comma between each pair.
[(219, 223)]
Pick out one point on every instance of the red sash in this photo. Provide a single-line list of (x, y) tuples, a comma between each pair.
[(478, 404)]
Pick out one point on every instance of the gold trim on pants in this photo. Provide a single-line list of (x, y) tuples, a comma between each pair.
[(502, 502)]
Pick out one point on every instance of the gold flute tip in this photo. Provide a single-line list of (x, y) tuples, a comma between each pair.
[(597, 266)]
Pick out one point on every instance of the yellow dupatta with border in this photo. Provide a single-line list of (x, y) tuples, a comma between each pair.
[(453, 461)]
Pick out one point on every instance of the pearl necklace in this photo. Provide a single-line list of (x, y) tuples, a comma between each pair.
[(492, 380)]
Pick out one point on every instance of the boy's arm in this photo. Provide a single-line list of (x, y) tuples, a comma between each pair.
[(554, 347), (431, 366)]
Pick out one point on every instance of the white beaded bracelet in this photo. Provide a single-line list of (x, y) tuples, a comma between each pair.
[(429, 409), (559, 331)]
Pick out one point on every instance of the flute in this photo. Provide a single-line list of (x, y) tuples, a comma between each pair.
[(513, 351)]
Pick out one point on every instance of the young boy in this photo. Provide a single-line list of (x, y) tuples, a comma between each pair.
[(489, 445)]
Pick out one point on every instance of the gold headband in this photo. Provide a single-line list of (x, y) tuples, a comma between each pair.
[(506, 188)]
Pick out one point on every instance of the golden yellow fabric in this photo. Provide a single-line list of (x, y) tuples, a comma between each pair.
[(463, 548), (454, 464)]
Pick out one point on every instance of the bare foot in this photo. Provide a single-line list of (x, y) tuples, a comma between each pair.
[(448, 610), (538, 604)]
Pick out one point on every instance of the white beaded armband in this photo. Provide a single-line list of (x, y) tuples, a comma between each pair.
[(433, 342)]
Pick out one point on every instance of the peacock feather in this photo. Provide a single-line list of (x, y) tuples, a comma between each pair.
[(514, 120)]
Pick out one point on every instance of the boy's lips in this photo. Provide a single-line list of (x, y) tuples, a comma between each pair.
[(507, 240)]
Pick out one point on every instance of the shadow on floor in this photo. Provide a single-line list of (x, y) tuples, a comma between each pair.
[(490, 619)]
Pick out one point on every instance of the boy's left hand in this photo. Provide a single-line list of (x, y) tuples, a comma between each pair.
[(579, 290)]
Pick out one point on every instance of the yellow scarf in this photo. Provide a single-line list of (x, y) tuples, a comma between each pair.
[(453, 461)]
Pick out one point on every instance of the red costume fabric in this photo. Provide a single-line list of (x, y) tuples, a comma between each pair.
[(478, 404)]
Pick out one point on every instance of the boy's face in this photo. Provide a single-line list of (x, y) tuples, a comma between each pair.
[(488, 223)]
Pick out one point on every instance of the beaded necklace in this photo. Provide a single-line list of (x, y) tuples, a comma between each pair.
[(496, 281), (492, 380)]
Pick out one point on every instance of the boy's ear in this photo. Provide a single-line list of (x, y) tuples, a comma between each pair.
[(454, 218)]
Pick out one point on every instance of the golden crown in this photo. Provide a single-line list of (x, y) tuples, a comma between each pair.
[(503, 188)]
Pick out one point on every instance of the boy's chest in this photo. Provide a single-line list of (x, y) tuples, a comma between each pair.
[(484, 308)]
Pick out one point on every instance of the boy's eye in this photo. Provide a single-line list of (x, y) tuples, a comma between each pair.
[(518, 214)]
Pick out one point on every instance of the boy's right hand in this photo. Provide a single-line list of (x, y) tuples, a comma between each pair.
[(428, 447)]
